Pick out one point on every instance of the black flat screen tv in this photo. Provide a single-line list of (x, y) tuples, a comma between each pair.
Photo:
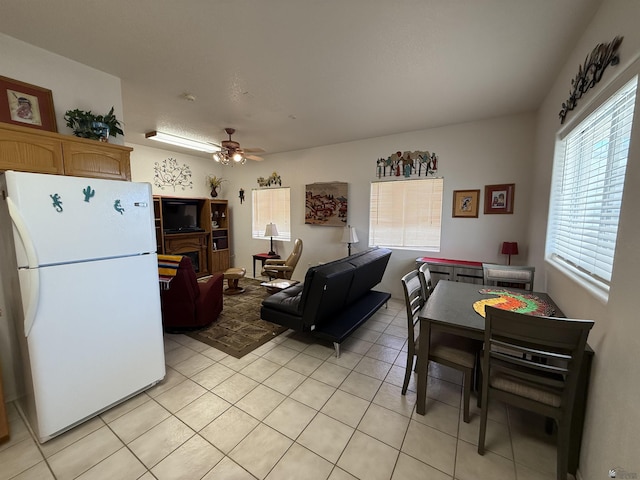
[(180, 216)]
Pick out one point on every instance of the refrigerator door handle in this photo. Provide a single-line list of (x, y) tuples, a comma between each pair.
[(32, 262)]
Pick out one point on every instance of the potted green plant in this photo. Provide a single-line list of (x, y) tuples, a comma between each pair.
[(215, 183), (86, 124)]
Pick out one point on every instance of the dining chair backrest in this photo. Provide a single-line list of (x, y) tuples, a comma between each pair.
[(453, 351), (541, 376), (499, 275), (413, 301), (425, 280)]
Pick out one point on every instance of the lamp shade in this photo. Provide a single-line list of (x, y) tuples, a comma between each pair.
[(349, 235), (271, 230), (509, 248)]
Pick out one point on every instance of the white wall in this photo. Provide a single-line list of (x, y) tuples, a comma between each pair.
[(612, 428), (73, 85), (472, 155), (143, 169)]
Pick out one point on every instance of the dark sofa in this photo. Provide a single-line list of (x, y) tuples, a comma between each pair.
[(334, 299)]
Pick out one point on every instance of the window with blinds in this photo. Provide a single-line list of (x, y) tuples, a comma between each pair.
[(271, 205), (406, 214), (588, 182)]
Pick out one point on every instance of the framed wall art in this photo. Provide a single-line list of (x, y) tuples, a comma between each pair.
[(26, 105), (499, 198), (326, 204), (465, 203)]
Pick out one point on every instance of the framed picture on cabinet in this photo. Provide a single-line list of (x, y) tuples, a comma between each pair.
[(499, 198), (465, 203), (27, 105)]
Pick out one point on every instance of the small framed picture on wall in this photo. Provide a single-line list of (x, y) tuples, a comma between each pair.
[(499, 198), (465, 203), (26, 105)]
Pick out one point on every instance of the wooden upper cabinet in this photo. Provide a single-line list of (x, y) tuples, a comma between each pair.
[(28, 150), (100, 160)]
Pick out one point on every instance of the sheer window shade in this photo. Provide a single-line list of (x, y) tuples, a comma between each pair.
[(271, 205), (406, 214), (586, 191)]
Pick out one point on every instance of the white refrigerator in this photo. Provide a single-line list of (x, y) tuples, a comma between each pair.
[(81, 254)]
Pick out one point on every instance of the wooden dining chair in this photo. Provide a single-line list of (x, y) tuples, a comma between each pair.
[(541, 377), (425, 280), (446, 349), (508, 275)]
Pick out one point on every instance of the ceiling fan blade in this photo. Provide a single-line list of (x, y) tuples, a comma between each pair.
[(254, 157), (254, 150)]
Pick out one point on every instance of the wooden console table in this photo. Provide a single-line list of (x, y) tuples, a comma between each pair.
[(454, 270)]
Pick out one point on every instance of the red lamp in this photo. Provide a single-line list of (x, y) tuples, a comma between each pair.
[(509, 248)]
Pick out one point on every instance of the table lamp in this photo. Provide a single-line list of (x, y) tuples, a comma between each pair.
[(349, 236), (271, 231), (510, 248)]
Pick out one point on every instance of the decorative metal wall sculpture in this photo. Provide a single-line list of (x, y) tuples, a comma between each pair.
[(169, 174), (326, 204), (273, 179), (407, 164), (591, 72)]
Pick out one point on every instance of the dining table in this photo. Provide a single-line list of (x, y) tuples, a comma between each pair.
[(458, 307)]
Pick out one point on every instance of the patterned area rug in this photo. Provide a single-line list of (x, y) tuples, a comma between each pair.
[(239, 329)]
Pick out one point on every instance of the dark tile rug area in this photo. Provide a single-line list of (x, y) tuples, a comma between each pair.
[(239, 329)]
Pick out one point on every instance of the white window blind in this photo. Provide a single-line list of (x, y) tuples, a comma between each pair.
[(271, 205), (587, 186), (406, 214)]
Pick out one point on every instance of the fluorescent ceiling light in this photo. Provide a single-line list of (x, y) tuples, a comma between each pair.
[(182, 142)]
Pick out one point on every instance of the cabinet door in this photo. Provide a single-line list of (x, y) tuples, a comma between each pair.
[(219, 261), (26, 152), (440, 272), (469, 275), (82, 159)]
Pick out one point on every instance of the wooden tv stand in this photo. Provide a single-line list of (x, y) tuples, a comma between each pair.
[(210, 246)]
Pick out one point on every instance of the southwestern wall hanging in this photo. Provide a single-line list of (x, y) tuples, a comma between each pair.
[(590, 73), (407, 164), (326, 204)]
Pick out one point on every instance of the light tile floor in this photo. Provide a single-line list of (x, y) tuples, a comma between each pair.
[(289, 410)]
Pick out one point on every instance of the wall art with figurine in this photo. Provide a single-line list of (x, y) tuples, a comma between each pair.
[(407, 164)]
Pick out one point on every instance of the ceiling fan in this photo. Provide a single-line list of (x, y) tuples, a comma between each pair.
[(232, 152)]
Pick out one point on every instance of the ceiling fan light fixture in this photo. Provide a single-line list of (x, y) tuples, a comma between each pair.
[(227, 158), (182, 142)]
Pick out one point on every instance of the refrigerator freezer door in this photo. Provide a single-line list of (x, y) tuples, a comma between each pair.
[(70, 219), (96, 339)]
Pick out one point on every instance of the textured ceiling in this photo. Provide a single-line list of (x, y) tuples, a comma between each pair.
[(293, 74)]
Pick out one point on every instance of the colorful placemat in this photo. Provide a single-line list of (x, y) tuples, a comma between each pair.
[(515, 302)]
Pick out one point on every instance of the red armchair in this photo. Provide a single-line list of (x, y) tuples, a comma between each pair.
[(189, 304)]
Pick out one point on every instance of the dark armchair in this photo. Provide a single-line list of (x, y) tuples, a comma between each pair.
[(189, 304)]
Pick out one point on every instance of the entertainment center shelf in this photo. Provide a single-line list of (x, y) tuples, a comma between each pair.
[(196, 227)]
